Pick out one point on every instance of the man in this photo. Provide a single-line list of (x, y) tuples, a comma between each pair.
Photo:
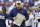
[(36, 9), (3, 17), (30, 21), (20, 10), (26, 6)]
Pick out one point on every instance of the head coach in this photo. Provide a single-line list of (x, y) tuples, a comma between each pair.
[(20, 10)]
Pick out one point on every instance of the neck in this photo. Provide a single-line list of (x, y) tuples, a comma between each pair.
[(30, 13), (18, 8)]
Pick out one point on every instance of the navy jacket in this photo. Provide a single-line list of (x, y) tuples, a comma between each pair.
[(3, 18), (22, 11)]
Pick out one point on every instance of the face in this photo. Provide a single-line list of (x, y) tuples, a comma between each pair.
[(24, 7), (36, 7), (3, 11), (29, 12), (18, 5)]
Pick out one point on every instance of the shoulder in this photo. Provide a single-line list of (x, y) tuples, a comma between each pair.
[(31, 16), (23, 9), (7, 15)]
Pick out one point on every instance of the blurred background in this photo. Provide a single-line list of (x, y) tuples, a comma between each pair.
[(27, 4)]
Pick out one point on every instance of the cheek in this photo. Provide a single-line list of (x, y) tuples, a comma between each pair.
[(20, 5), (17, 6), (3, 11), (28, 12)]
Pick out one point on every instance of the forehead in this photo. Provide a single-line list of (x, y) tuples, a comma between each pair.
[(29, 11)]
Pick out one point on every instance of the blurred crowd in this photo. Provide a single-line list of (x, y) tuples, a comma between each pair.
[(27, 4)]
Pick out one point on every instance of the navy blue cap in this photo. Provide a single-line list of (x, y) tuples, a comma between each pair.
[(4, 8)]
